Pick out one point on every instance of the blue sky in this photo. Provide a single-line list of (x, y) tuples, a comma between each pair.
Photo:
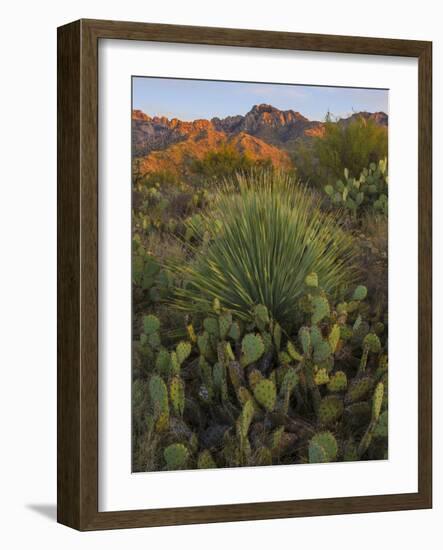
[(192, 99)]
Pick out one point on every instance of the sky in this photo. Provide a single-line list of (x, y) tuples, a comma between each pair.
[(193, 99)]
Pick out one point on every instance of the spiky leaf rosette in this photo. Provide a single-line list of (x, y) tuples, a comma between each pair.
[(272, 234)]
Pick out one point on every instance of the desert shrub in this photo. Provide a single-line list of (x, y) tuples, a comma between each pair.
[(269, 234), (353, 145), (224, 162), (236, 394)]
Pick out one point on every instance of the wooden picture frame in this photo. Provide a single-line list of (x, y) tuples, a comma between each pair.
[(78, 274)]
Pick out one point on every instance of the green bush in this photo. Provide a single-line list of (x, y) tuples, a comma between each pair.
[(353, 145), (270, 233), (219, 164)]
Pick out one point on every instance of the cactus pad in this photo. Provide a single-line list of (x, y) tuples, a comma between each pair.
[(150, 324), (334, 337), (321, 377), (372, 342), (377, 401), (210, 324), (255, 376), (203, 344), (252, 349), (330, 409), (321, 309), (311, 280), (162, 362), (294, 354), (261, 315), (205, 461), (243, 395), (176, 456), (246, 417), (183, 351), (322, 351), (159, 394), (290, 380), (360, 293), (224, 322), (338, 382), (177, 395), (235, 374), (358, 389), (305, 340), (235, 331), (381, 429), (323, 448), (266, 394)]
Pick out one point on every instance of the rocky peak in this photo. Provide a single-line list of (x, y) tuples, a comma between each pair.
[(137, 114)]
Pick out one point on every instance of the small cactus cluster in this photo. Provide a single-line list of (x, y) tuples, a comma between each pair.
[(248, 393), (367, 192)]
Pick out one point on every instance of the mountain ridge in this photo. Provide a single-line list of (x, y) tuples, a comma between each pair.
[(264, 132)]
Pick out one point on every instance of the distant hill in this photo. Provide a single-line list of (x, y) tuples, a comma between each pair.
[(264, 133)]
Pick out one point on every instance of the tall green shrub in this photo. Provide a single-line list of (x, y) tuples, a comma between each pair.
[(353, 145)]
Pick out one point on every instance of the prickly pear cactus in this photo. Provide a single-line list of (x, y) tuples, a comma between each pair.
[(246, 417), (321, 377), (176, 456), (252, 349), (320, 307), (183, 351), (338, 382), (323, 448), (377, 401), (257, 393), (322, 351), (334, 337), (305, 340), (225, 323), (293, 353), (330, 410), (311, 280), (372, 342), (266, 394), (359, 389), (177, 395), (151, 324), (205, 461), (360, 293)]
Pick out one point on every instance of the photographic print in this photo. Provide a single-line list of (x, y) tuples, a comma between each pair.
[(259, 274)]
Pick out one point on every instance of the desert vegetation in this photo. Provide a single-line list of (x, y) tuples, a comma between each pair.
[(260, 326)]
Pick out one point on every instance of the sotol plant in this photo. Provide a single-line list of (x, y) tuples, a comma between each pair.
[(270, 235)]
